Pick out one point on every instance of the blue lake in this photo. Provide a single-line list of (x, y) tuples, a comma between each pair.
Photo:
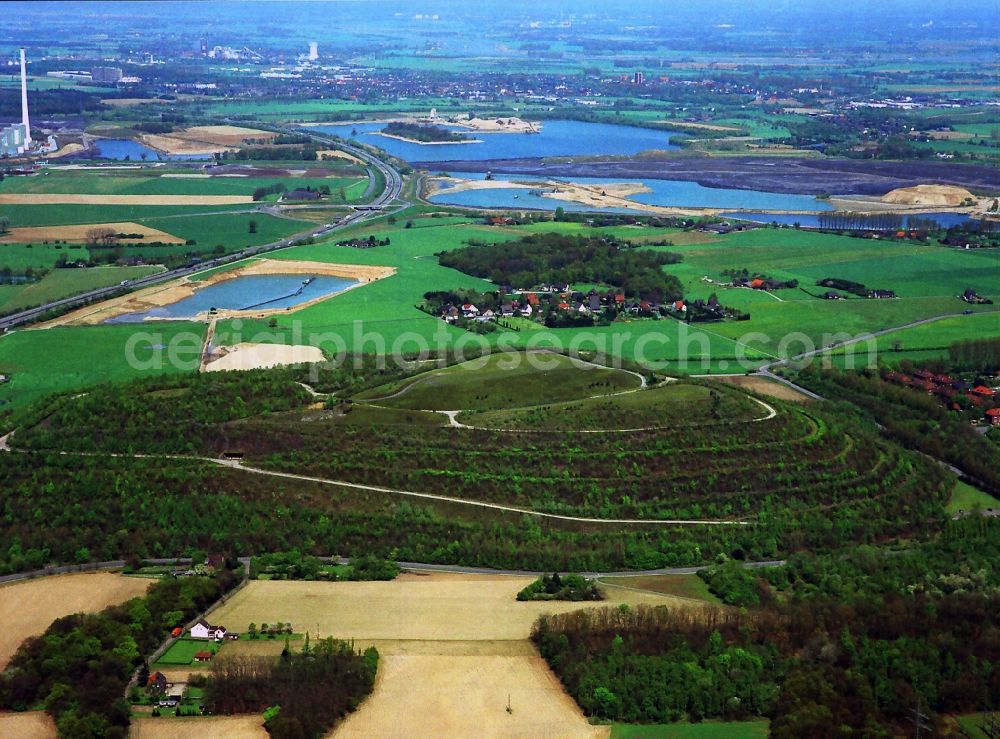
[(945, 220), (557, 138), (266, 292), (118, 149), (663, 192)]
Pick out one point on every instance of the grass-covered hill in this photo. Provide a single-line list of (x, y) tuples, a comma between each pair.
[(769, 478)]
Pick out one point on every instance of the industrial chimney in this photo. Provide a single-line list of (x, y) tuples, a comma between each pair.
[(24, 103)]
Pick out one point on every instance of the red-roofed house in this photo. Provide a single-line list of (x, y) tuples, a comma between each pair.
[(993, 414), (983, 391), (757, 283)]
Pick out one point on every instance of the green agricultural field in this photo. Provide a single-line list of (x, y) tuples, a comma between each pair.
[(19, 257), (142, 183), (703, 730), (966, 497), (230, 230), (182, 652), (67, 358), (681, 586), (66, 214), (62, 283)]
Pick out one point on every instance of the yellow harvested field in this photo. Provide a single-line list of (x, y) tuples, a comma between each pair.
[(201, 727), (452, 648), (29, 606), (28, 725), (247, 356), (423, 607), (337, 154), (764, 386), (467, 697), (97, 199), (78, 233), (944, 195)]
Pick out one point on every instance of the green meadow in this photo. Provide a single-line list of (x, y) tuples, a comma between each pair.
[(383, 317), (63, 283), (44, 361), (143, 184)]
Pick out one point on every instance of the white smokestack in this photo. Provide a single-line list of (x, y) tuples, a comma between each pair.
[(313, 51), (24, 102)]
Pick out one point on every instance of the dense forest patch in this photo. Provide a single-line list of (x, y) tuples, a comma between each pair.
[(554, 258)]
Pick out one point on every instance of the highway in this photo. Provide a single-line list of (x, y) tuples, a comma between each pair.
[(390, 194)]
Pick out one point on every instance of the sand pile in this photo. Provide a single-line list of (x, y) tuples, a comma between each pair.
[(937, 195)]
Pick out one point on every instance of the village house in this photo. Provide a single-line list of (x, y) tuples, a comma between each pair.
[(204, 630), (157, 683), (993, 416)]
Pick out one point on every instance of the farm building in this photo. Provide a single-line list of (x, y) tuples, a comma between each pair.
[(993, 415), (204, 630)]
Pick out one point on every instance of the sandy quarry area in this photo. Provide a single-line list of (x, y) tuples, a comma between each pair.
[(171, 292), (929, 195), (453, 650), (203, 139), (498, 125), (247, 356), (78, 233), (202, 727), (29, 606), (28, 725), (98, 199), (65, 151), (422, 607)]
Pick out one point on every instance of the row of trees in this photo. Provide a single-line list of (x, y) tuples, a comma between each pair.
[(302, 694)]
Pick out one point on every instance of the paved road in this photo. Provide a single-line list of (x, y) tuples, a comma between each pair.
[(392, 192), (765, 370)]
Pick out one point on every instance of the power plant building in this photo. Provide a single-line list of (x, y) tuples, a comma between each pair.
[(16, 139), (106, 75), (13, 140)]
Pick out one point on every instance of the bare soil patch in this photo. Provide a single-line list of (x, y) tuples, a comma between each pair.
[(247, 356), (29, 606), (467, 697), (28, 725), (204, 139), (78, 233), (766, 387), (97, 199), (200, 727)]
